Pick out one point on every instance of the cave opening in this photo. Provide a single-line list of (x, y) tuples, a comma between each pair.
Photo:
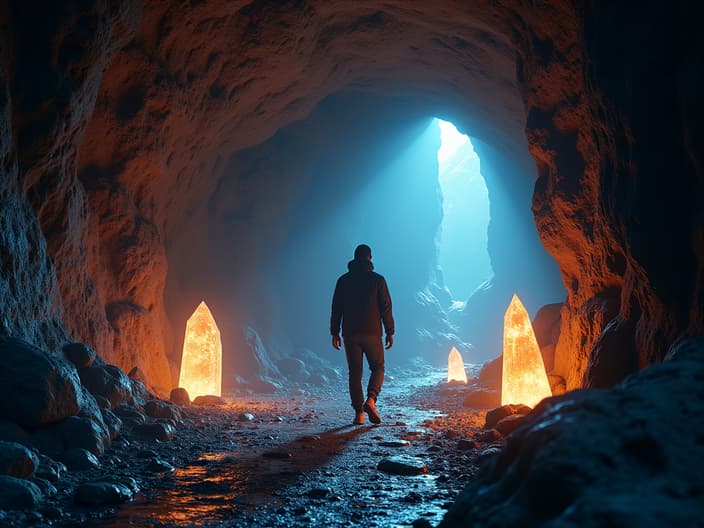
[(463, 257)]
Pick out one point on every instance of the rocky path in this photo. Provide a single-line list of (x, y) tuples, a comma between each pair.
[(297, 461)]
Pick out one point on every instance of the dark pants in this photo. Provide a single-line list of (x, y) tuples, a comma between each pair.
[(373, 348)]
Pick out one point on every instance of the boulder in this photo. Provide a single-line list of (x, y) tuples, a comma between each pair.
[(137, 374), (102, 493), (80, 354), (102, 401), (402, 465), (179, 396), (129, 415), (490, 374), (209, 400), (16, 460), (73, 432), (140, 392), (77, 459), (508, 424), (155, 431), (107, 381), (629, 456), (494, 416), (162, 409), (112, 422), (39, 388), (49, 469), (546, 325), (18, 494), (46, 487)]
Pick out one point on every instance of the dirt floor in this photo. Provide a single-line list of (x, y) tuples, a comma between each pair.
[(300, 462)]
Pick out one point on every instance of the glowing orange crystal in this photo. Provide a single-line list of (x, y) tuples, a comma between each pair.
[(523, 378), (201, 364), (455, 367)]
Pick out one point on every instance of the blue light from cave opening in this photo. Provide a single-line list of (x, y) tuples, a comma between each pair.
[(462, 238)]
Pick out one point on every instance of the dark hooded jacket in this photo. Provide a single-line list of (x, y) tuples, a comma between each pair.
[(361, 302)]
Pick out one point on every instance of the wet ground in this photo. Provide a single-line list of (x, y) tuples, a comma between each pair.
[(300, 462)]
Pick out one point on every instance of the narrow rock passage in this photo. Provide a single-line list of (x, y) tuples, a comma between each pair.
[(298, 461)]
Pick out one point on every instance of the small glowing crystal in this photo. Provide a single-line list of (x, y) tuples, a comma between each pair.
[(455, 367)]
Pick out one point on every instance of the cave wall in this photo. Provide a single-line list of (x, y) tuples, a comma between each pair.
[(118, 118)]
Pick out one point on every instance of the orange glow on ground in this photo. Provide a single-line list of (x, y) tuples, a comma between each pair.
[(455, 367), (201, 364), (524, 379)]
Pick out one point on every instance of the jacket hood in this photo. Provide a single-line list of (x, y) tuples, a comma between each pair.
[(360, 265)]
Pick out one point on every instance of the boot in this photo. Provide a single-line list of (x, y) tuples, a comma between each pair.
[(358, 418), (370, 408)]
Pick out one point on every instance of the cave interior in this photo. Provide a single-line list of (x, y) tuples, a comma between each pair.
[(156, 156)]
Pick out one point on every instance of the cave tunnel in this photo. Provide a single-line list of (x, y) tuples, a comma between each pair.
[(158, 155)]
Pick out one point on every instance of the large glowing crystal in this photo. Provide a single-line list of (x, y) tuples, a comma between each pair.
[(523, 378), (455, 367), (201, 364)]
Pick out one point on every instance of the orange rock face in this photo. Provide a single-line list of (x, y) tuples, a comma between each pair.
[(116, 129)]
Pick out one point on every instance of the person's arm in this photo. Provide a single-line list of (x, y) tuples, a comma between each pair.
[(385, 310), (336, 315)]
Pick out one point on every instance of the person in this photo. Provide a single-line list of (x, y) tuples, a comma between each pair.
[(361, 303)]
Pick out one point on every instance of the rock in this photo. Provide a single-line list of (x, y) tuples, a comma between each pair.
[(112, 422), (394, 443), (421, 523), (155, 431), (490, 435), (495, 415), (78, 459), (39, 388), (16, 460), (546, 326), (137, 374), (102, 401), (209, 400), (80, 354), (18, 494), (47, 488), (293, 368), (11, 432), (490, 373), (179, 396), (156, 465), (140, 393), (613, 356), (629, 456), (465, 444), (130, 415), (162, 409), (482, 399), (318, 493), (107, 381), (508, 424), (101, 493), (73, 432), (49, 469), (245, 417), (402, 465)]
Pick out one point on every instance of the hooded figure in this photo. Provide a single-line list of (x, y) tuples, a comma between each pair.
[(361, 304)]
